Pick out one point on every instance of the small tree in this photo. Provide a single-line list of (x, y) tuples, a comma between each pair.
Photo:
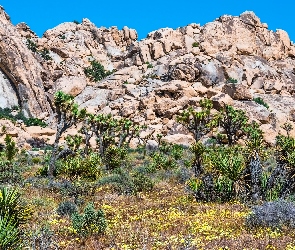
[(68, 114), (96, 71), (113, 136), (232, 121), (197, 121)]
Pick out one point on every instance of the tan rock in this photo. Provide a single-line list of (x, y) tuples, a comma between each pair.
[(181, 139), (72, 85), (36, 131), (237, 91), (22, 68), (220, 100)]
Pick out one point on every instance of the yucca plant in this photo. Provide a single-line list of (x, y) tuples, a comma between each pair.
[(12, 214), (196, 121), (9, 234)]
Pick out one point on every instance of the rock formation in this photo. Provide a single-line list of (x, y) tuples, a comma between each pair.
[(230, 60)]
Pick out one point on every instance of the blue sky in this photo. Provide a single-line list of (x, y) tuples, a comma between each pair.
[(146, 16)]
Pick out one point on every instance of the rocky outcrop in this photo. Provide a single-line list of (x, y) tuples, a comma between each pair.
[(230, 61), (24, 71)]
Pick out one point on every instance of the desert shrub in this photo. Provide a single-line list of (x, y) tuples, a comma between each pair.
[(66, 208), (142, 182), (260, 101), (120, 180), (128, 183), (149, 65), (6, 113), (114, 157), (274, 214), (10, 172), (231, 80), (10, 168), (195, 44), (34, 122), (90, 222), (96, 71), (78, 166), (31, 45), (44, 53), (167, 156), (221, 179)]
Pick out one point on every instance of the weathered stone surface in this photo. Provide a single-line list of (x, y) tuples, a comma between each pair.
[(153, 79), (181, 139), (22, 68), (237, 91), (72, 85)]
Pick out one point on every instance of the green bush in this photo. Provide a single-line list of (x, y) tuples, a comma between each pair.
[(260, 101), (31, 45), (115, 157), (195, 44), (44, 53), (96, 71), (66, 208), (6, 114), (231, 80), (88, 167), (149, 65), (90, 222), (128, 183)]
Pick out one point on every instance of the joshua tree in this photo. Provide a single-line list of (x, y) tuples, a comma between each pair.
[(68, 115)]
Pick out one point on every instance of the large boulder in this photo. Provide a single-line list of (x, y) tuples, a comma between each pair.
[(22, 68)]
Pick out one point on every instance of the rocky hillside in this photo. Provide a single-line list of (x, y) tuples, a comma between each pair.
[(230, 60)]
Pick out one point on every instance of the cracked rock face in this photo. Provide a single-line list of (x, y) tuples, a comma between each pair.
[(230, 60)]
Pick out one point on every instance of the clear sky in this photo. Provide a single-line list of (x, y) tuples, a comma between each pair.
[(146, 16)]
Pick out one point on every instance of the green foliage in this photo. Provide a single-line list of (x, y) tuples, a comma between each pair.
[(76, 22), (260, 101), (31, 45), (12, 214), (96, 71), (66, 208), (10, 148), (197, 121), (149, 65), (128, 183), (114, 157), (44, 53), (232, 121), (231, 80), (6, 114), (68, 114), (166, 157), (195, 44), (12, 206), (9, 234), (228, 162), (86, 167), (90, 222)]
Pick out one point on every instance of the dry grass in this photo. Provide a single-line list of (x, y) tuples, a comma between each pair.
[(166, 218)]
